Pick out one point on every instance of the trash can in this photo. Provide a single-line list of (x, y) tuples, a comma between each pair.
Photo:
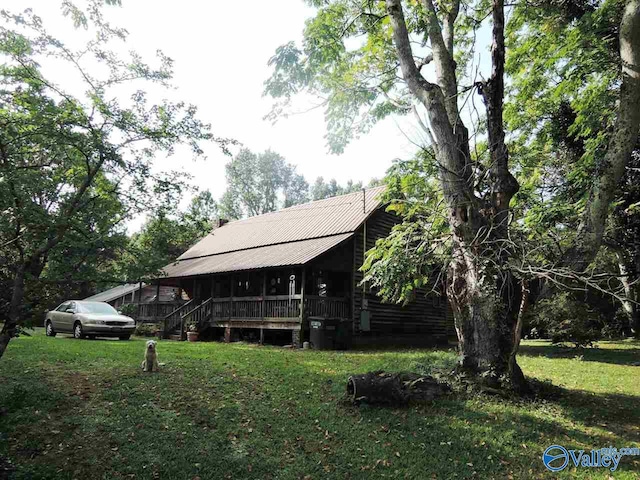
[(322, 332)]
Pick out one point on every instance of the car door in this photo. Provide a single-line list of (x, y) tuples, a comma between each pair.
[(66, 318), (57, 316)]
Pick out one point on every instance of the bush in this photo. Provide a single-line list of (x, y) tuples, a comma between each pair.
[(129, 309), (617, 327), (566, 319), (147, 330)]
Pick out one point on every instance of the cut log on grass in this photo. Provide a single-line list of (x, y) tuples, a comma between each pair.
[(401, 388)]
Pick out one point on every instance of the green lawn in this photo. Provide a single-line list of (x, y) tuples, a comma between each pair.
[(83, 409)]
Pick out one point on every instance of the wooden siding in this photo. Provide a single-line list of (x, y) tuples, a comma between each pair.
[(426, 314)]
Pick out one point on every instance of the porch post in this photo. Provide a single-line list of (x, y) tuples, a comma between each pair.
[(302, 294), (157, 298), (139, 298), (230, 296), (264, 294), (227, 330)]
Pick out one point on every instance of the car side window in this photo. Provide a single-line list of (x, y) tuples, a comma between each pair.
[(63, 307), (71, 308)]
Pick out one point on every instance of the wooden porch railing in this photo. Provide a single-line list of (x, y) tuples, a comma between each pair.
[(156, 310), (279, 306), (327, 307), (198, 315), (173, 319), (256, 308)]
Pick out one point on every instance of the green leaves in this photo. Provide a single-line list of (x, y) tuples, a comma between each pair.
[(411, 257), (261, 183), (74, 166), (347, 60)]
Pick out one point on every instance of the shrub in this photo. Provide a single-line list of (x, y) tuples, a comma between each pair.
[(564, 318), (617, 325), (147, 330), (129, 309)]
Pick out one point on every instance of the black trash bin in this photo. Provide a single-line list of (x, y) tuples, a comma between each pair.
[(322, 332)]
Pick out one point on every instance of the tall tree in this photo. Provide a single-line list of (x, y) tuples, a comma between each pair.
[(56, 147), (321, 189), (261, 183), (564, 108), (165, 236), (359, 79)]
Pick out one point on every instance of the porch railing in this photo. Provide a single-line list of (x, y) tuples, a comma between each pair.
[(198, 315), (173, 319), (327, 307), (278, 306), (256, 308), (156, 310)]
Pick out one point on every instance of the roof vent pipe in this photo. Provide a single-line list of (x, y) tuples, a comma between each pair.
[(220, 222)]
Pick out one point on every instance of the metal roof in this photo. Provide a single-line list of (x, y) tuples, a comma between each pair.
[(321, 218), (280, 255), (113, 293)]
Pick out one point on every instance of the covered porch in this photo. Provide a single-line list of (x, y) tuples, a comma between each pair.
[(266, 299)]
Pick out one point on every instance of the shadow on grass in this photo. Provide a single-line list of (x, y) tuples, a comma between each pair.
[(618, 356), (255, 413)]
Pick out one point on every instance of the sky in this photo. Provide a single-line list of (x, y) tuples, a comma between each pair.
[(220, 51)]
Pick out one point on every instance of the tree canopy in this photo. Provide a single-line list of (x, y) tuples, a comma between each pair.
[(67, 159)]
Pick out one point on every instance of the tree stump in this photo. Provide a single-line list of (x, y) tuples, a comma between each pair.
[(393, 389)]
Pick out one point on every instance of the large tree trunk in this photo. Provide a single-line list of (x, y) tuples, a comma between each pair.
[(630, 303), (479, 287), (623, 140), (485, 303), (17, 296)]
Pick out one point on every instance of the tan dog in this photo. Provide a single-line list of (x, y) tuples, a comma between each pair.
[(150, 362)]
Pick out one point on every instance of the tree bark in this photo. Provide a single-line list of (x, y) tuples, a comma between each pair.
[(630, 304), (10, 326), (623, 140), (481, 291), (393, 389)]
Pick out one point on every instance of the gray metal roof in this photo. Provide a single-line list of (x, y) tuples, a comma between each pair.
[(317, 219), (113, 293), (283, 254)]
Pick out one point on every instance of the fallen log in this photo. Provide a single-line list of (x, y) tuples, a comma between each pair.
[(393, 389)]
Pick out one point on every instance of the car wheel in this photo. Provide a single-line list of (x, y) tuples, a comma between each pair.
[(49, 330), (125, 337), (77, 331)]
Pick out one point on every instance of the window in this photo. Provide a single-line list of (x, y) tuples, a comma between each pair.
[(97, 307), (63, 307)]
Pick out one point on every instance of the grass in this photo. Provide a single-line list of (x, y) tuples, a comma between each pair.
[(83, 409)]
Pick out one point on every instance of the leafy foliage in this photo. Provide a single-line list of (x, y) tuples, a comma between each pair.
[(167, 235), (566, 319), (73, 167), (412, 256), (261, 183), (321, 189)]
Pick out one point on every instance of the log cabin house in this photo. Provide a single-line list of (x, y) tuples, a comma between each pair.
[(296, 269)]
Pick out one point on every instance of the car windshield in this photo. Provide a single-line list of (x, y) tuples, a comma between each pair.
[(103, 308)]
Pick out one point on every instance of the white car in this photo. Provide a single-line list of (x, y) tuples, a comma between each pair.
[(90, 319)]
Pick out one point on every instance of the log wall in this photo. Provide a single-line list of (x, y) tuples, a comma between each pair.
[(426, 314)]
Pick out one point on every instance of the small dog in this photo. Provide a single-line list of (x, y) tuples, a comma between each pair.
[(150, 362)]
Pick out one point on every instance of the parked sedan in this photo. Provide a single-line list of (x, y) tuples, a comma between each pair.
[(91, 319)]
